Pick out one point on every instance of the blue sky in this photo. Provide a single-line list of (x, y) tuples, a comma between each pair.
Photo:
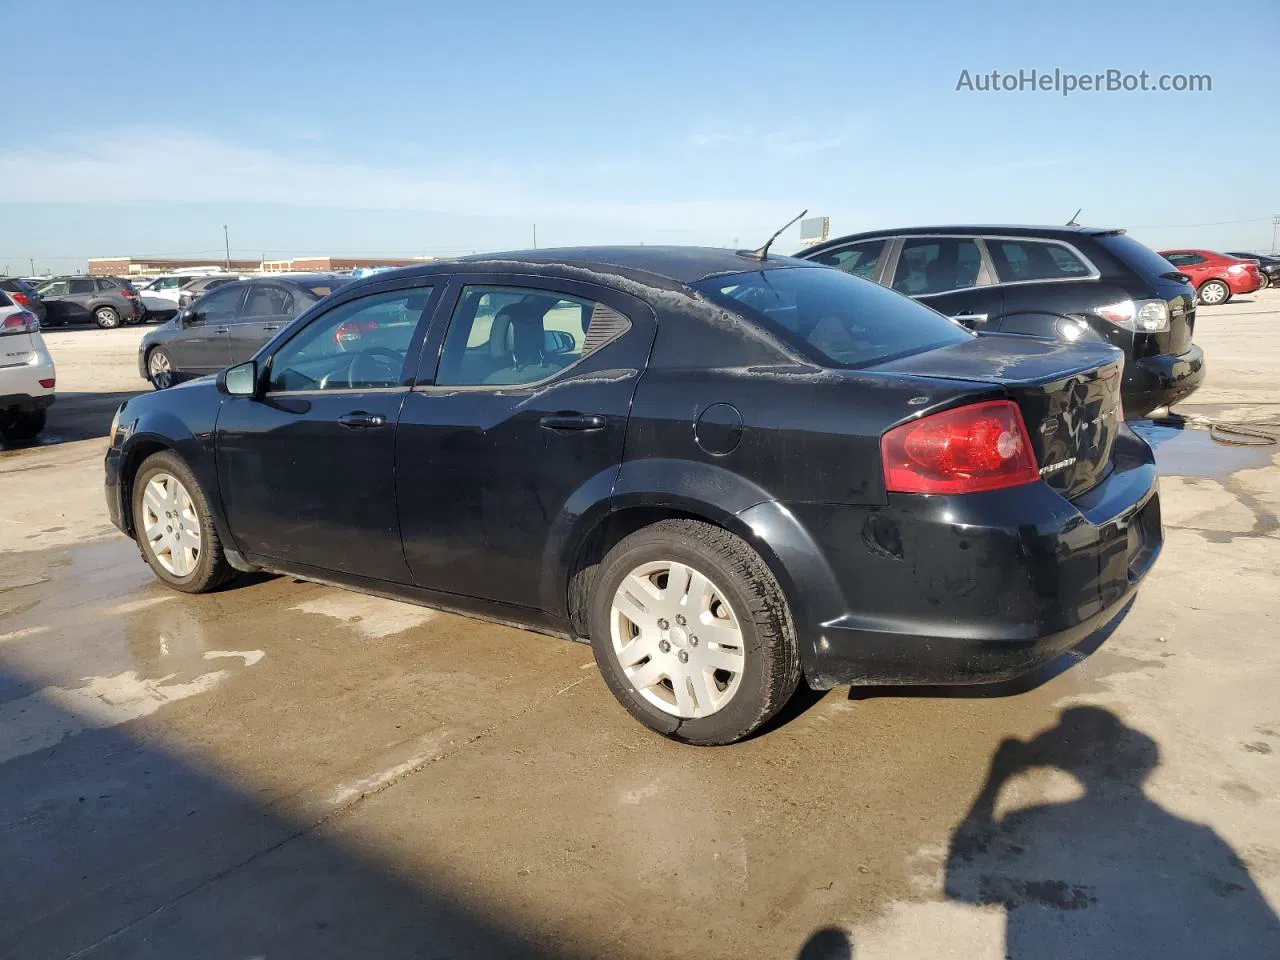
[(395, 127)]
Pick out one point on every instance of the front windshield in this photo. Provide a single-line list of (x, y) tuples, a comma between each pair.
[(837, 319)]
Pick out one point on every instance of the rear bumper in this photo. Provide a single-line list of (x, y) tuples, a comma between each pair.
[(25, 402), (1243, 282), (966, 589), (1161, 381)]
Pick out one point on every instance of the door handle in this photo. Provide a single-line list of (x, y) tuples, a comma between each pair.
[(271, 326), (221, 329), (970, 317), (584, 422), (359, 420)]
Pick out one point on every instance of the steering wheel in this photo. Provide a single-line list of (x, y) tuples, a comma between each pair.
[(385, 361)]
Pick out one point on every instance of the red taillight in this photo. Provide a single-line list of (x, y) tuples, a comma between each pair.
[(351, 331), (47, 384), (21, 322), (131, 294), (980, 447), (21, 298)]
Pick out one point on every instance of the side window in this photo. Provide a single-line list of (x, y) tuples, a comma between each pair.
[(267, 300), (937, 264), (514, 336), (361, 344), (859, 259), (80, 286), (54, 288), (1033, 260), (107, 286), (219, 306), (1184, 259)]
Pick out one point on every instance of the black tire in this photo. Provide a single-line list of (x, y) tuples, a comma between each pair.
[(1218, 284), (772, 661), (154, 351), (1266, 281), (22, 427), (212, 571), (108, 318)]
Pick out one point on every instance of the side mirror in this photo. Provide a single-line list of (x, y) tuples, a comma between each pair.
[(188, 317), (240, 380), (558, 342)]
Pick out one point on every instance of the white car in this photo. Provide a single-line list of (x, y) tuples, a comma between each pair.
[(26, 374), (167, 286)]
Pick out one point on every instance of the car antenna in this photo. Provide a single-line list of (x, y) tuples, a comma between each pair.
[(763, 253), (1072, 221)]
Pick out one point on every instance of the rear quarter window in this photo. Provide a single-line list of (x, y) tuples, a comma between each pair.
[(1141, 259), (832, 317)]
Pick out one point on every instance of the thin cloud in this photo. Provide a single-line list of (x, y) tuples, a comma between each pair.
[(146, 166)]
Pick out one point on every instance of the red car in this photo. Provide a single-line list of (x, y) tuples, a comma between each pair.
[(1216, 276)]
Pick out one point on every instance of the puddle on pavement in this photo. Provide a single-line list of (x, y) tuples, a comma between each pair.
[(96, 642), (1189, 451)]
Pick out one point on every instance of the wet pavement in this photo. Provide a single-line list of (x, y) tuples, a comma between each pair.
[(289, 770)]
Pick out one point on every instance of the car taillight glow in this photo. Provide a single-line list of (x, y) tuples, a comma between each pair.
[(21, 322), (984, 446), (48, 384), (351, 331), (21, 298), (1143, 316)]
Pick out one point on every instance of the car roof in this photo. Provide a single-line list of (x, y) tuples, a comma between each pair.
[(970, 229), (670, 264)]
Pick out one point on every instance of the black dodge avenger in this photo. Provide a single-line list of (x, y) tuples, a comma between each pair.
[(727, 471)]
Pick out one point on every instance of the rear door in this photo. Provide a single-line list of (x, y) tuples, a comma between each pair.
[(54, 294), (523, 402), (267, 308), (79, 299), (307, 471), (950, 274)]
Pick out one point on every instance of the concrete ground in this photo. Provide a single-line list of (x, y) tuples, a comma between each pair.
[(288, 770)]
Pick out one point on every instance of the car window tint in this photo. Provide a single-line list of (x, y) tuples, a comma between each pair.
[(510, 336), (360, 344), (859, 259), (219, 306), (1034, 260), (1184, 259), (268, 301), (837, 319), (937, 264), (80, 286), (54, 288)]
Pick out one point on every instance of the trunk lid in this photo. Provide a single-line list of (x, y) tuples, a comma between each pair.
[(1069, 396)]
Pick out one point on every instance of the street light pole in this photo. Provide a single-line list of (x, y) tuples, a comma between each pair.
[(226, 238), (1275, 224)]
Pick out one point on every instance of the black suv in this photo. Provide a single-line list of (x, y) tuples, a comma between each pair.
[(107, 301), (1069, 283)]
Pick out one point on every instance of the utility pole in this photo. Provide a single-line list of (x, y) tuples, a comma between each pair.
[(1275, 224), (535, 236), (226, 238), (32, 261)]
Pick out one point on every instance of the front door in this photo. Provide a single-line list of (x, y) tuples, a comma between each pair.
[(951, 275), (527, 407), (268, 307), (57, 308), (203, 346), (307, 470)]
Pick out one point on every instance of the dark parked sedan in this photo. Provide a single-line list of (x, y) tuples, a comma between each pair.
[(728, 473), (1074, 284), (227, 325)]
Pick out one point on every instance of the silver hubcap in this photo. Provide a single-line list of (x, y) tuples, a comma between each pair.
[(107, 318), (677, 639), (161, 373), (171, 524), (1212, 293)]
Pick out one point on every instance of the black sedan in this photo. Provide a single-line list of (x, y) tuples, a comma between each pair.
[(227, 325), (1268, 266), (727, 473)]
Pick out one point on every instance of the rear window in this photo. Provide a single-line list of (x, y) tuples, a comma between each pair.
[(4, 300), (837, 319), (1145, 261)]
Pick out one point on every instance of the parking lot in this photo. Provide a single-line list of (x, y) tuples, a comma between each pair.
[(286, 769)]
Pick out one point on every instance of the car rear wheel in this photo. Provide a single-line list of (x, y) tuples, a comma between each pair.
[(106, 317), (21, 427), (692, 632), (160, 369), (174, 527), (1213, 292)]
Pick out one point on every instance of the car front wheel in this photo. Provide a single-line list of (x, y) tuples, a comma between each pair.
[(174, 527), (692, 632), (160, 369), (106, 317), (1214, 292)]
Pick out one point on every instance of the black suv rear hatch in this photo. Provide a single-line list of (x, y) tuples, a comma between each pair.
[(1069, 396)]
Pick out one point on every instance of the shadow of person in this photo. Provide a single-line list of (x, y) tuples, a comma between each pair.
[(1111, 874)]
